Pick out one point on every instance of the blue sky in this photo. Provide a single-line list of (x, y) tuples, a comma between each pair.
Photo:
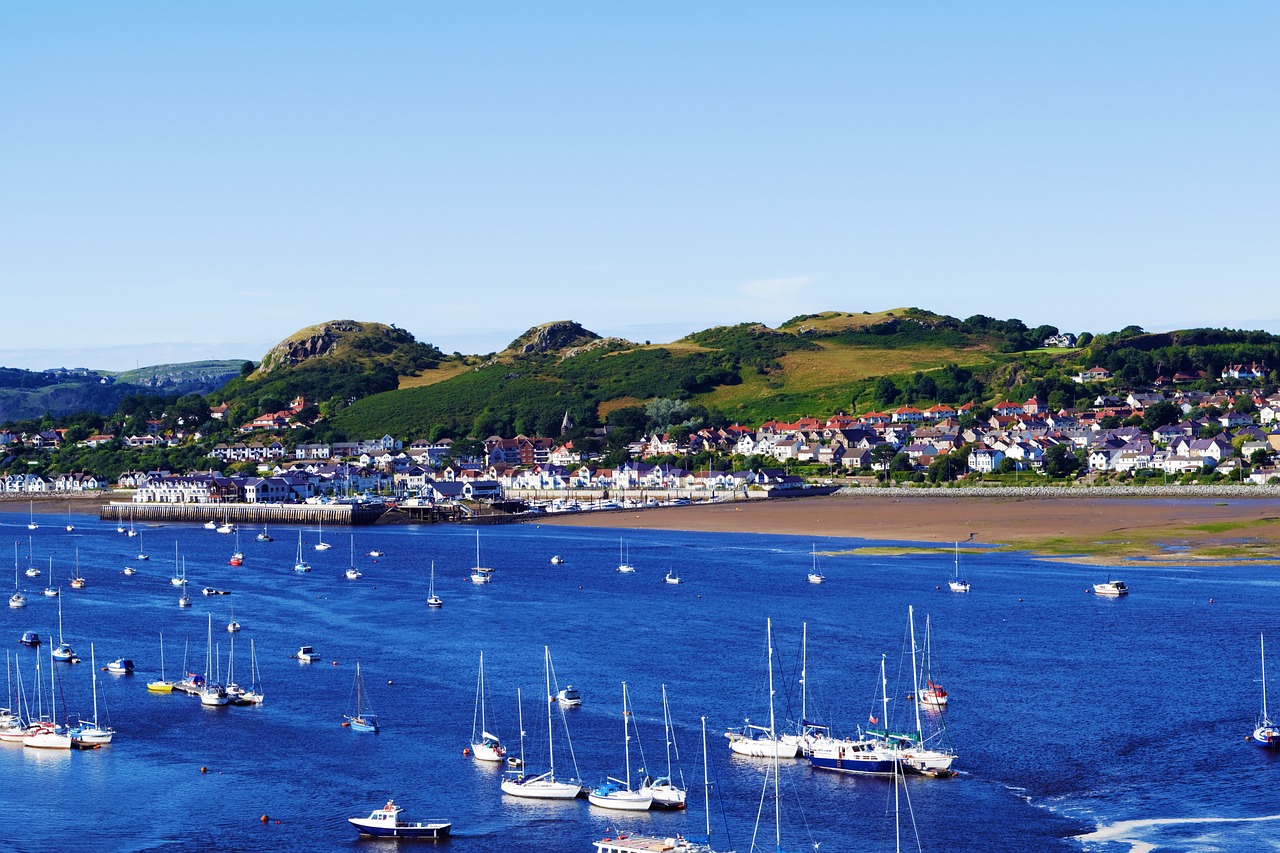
[(187, 181)]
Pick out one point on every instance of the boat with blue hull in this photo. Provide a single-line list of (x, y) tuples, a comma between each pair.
[(867, 757), (389, 822)]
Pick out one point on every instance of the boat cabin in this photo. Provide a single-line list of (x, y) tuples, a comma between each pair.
[(30, 638)]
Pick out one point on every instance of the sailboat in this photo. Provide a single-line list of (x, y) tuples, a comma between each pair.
[(955, 583), (626, 843), (434, 600), (866, 756), (77, 580), (132, 533), (185, 599), (179, 569), (1266, 733), (142, 554), (301, 566), (91, 735), (815, 575), (914, 754), (759, 741), (225, 527), (931, 695), (31, 524), (50, 735), (361, 721), (479, 573), (233, 627), (352, 573), (63, 652), (807, 733), (664, 790), (17, 599), (617, 793), (322, 545), (484, 745), (211, 694), (32, 571), (51, 590), (237, 556), (70, 526), (252, 696), (164, 685), (624, 565), (544, 786), (264, 536)]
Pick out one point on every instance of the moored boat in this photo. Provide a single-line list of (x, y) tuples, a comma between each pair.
[(1266, 733), (389, 822), (485, 746), (119, 666), (1110, 587), (306, 654), (617, 793), (361, 720), (544, 786)]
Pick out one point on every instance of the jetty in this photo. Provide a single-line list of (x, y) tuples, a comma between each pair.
[(243, 514)]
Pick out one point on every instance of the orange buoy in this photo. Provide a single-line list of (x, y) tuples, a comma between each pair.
[(345, 724), (265, 819), (335, 663), (204, 769), (466, 751)]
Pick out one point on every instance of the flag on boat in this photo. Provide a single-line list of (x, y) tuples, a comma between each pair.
[(873, 719)]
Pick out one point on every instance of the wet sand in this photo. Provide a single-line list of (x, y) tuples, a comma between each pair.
[(1088, 529)]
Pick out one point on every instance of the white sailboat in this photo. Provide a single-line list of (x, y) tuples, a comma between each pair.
[(352, 573), (88, 735), (815, 575), (479, 573), (254, 695), (32, 571), (31, 509), (759, 741), (77, 580), (17, 599), (131, 533), (322, 545), (1266, 733), (301, 565), (807, 734), (214, 695), (624, 565), (50, 735), (63, 652), (617, 793), (233, 627), (434, 600), (664, 790), (955, 583), (163, 685), (485, 746), (142, 554), (70, 527), (544, 786), (916, 754)]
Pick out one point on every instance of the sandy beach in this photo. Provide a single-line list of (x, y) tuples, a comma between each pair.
[(1093, 530)]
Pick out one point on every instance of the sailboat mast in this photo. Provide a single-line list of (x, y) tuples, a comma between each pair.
[(520, 717), (773, 737), (706, 781), (162, 656), (666, 723), (551, 748), (1262, 641), (884, 694), (804, 689), (915, 678), (93, 670), (626, 734), (484, 726)]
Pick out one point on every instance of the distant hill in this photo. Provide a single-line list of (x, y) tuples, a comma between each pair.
[(30, 394)]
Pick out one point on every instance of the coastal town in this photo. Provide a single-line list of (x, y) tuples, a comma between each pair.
[(1169, 433)]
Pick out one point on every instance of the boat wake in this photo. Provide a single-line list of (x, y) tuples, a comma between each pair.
[(1137, 833)]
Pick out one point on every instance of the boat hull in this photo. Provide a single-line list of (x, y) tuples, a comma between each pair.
[(629, 801), (763, 747), (541, 789), (856, 757), (417, 830)]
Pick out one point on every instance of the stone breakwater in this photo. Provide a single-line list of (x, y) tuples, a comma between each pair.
[(1252, 492)]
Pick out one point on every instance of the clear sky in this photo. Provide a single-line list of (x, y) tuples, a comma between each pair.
[(184, 180)]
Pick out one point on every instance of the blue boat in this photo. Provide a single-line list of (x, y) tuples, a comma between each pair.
[(868, 757), (30, 638), (387, 822)]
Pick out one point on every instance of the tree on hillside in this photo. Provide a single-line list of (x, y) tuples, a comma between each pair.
[(1160, 414), (1059, 461)]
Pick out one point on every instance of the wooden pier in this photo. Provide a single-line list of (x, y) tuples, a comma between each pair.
[(243, 514)]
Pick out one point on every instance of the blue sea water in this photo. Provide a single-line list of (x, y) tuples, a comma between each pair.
[(1119, 720)]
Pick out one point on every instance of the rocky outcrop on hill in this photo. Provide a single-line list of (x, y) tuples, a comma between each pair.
[(552, 337)]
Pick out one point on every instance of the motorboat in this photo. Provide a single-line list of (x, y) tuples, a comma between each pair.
[(120, 666), (306, 654), (868, 756), (208, 525), (211, 590), (389, 822), (672, 578), (129, 570), (353, 574), (1111, 588), (377, 553), (30, 638), (264, 536), (557, 560), (569, 697)]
